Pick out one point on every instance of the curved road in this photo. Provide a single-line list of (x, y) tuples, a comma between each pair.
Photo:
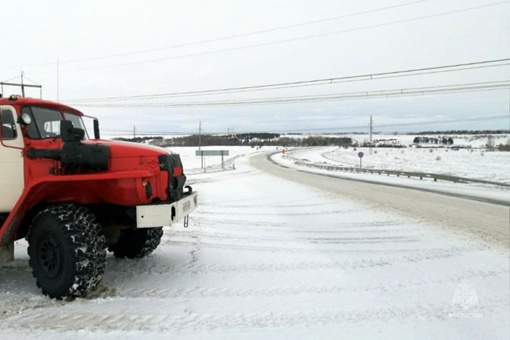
[(289, 257), (490, 222)]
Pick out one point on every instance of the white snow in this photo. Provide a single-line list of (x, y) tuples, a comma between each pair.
[(495, 167), (476, 164), (264, 258)]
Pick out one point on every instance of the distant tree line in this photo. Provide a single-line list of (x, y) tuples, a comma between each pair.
[(314, 141), (246, 139), (137, 139), (459, 132), (257, 135), (196, 140)]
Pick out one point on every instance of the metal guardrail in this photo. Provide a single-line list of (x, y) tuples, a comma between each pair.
[(399, 173)]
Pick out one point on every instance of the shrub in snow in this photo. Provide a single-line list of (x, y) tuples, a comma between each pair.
[(438, 158), (504, 147)]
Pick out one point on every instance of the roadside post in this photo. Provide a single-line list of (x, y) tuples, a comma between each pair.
[(221, 153), (360, 155)]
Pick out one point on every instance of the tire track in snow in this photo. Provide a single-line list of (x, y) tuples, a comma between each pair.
[(208, 292), (307, 240), (279, 213), (409, 242), (187, 319), (155, 267), (279, 227)]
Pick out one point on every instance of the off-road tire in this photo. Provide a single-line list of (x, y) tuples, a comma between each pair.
[(67, 251), (137, 243)]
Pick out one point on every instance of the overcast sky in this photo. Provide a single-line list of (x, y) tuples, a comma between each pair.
[(98, 49)]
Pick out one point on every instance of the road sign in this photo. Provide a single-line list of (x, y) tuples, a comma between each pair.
[(211, 153), (360, 155)]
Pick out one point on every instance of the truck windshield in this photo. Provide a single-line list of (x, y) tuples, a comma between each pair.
[(46, 122)]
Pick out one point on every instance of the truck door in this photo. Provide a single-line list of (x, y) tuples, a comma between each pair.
[(11, 159)]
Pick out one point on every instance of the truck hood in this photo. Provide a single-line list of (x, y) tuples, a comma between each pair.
[(119, 149)]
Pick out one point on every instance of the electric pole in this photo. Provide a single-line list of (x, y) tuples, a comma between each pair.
[(200, 145), (58, 75), (371, 131), (22, 86)]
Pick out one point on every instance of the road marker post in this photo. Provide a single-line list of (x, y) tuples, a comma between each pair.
[(360, 155)]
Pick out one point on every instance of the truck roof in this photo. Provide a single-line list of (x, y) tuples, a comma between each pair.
[(25, 101)]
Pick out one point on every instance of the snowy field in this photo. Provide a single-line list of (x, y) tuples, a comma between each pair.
[(491, 166), (472, 160), (475, 164), (475, 141), (266, 258)]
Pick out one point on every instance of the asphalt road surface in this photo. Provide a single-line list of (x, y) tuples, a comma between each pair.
[(490, 222)]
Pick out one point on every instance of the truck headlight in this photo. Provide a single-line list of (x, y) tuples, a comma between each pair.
[(148, 188)]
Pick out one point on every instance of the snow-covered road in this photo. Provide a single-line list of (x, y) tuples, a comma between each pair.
[(267, 258)]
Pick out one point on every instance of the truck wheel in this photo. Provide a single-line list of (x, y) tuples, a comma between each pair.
[(137, 243), (67, 251)]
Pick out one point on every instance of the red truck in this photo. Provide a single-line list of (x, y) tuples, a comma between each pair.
[(73, 197)]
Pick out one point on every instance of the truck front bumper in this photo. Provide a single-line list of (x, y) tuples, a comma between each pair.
[(161, 215)]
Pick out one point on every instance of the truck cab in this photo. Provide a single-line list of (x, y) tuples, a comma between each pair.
[(60, 185)]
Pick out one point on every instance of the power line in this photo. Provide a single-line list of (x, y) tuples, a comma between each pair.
[(452, 88), (287, 40), (431, 122), (251, 33), (8, 80), (326, 81), (338, 128), (300, 38), (234, 36)]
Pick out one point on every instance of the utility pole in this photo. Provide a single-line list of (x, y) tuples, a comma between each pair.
[(200, 145), (371, 131), (134, 131), (58, 75), (22, 86)]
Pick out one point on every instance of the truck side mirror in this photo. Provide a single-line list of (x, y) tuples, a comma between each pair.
[(96, 129), (69, 133)]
